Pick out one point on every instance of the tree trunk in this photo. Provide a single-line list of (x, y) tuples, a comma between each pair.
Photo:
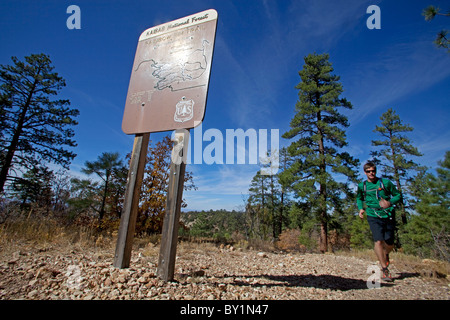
[(280, 218), (397, 181), (322, 193), (102, 209), (15, 140), (323, 244)]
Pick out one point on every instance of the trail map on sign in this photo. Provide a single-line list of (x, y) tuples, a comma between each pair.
[(170, 75), (176, 75)]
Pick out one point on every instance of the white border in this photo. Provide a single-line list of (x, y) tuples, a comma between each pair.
[(189, 21)]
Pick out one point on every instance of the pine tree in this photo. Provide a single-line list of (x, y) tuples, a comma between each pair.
[(275, 193), (33, 127), (83, 197), (430, 13), (104, 167), (319, 130), (258, 206), (35, 186), (396, 148), (428, 232), (285, 161)]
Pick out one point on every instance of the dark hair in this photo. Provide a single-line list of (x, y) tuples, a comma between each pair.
[(370, 164)]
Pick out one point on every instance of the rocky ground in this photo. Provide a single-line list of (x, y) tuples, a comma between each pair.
[(203, 272)]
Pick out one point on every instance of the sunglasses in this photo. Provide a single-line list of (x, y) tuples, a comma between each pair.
[(369, 171)]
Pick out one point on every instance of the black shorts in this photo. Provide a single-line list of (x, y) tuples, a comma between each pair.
[(383, 229)]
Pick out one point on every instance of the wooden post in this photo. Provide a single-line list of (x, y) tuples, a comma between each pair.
[(167, 253), (130, 207)]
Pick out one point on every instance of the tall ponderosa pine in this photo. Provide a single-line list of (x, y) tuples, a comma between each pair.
[(319, 130), (395, 148), (33, 127)]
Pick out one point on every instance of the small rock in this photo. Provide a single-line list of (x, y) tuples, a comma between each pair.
[(198, 273), (222, 287), (114, 294), (32, 283), (104, 271), (32, 293), (262, 254), (13, 261)]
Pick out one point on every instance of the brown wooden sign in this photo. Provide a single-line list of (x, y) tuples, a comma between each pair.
[(167, 91), (170, 76)]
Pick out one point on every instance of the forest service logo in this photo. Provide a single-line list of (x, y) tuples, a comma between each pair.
[(184, 110)]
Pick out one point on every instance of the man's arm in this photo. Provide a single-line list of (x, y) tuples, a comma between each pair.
[(396, 195), (360, 201), (360, 198)]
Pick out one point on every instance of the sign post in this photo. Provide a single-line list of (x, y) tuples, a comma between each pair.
[(169, 238), (131, 203), (167, 91)]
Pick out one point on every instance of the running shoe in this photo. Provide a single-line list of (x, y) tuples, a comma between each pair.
[(386, 275)]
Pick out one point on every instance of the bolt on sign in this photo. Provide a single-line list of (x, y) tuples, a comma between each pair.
[(170, 76)]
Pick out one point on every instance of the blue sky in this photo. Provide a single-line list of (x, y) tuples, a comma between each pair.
[(259, 49)]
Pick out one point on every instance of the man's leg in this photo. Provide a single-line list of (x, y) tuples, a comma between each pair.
[(389, 237), (381, 252), (388, 247), (378, 228)]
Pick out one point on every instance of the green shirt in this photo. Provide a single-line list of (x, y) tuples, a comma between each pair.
[(373, 192)]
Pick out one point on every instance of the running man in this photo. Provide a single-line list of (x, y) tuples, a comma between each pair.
[(376, 198)]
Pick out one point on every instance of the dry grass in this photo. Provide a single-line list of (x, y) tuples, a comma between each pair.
[(46, 232)]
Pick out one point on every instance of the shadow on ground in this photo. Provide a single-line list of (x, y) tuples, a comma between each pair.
[(323, 281)]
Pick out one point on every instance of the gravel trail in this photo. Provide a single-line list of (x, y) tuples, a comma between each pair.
[(203, 272)]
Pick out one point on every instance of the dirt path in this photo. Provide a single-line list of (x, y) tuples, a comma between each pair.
[(202, 272)]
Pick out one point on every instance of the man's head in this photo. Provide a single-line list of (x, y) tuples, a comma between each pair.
[(370, 169)]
